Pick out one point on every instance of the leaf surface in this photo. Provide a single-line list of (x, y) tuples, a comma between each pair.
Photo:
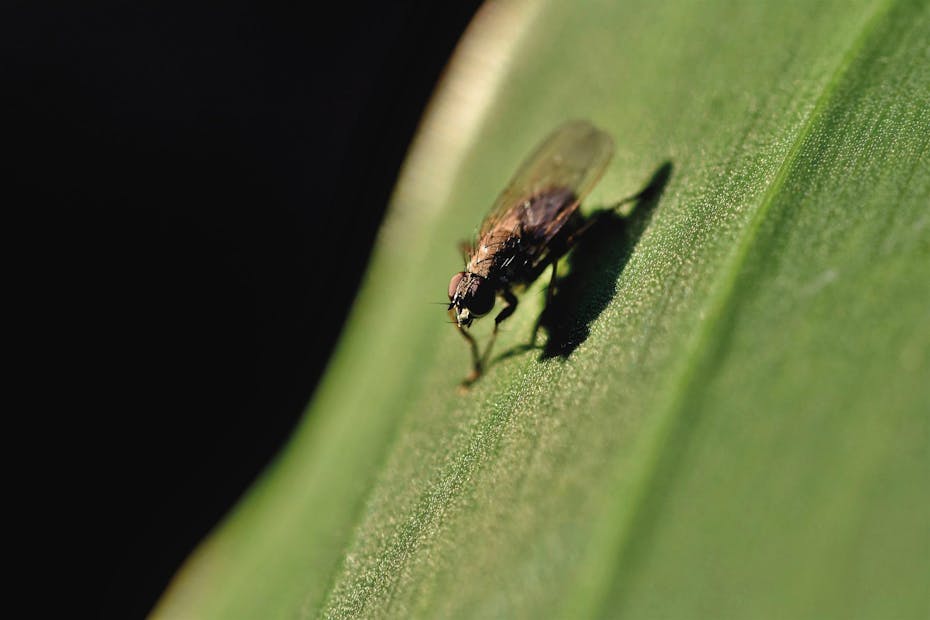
[(731, 419)]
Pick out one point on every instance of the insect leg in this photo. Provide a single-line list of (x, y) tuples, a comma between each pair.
[(643, 193), (475, 357), (507, 310), (595, 217), (579, 232), (549, 293)]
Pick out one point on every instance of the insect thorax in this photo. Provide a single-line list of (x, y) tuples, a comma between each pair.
[(500, 256)]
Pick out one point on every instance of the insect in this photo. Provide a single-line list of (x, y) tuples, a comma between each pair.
[(534, 222)]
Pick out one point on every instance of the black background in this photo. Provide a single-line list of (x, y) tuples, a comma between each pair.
[(194, 193)]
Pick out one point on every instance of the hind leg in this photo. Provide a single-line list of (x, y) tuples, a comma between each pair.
[(549, 293)]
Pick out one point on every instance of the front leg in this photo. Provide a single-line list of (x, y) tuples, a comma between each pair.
[(475, 357)]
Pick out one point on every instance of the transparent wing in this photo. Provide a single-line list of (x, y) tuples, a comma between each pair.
[(570, 161)]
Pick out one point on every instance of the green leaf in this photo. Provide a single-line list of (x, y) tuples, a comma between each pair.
[(736, 424)]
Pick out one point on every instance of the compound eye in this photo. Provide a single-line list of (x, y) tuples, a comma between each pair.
[(482, 299), (454, 283)]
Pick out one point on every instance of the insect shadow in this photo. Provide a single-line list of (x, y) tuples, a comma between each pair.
[(594, 265)]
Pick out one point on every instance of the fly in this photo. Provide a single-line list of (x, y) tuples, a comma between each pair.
[(534, 222)]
